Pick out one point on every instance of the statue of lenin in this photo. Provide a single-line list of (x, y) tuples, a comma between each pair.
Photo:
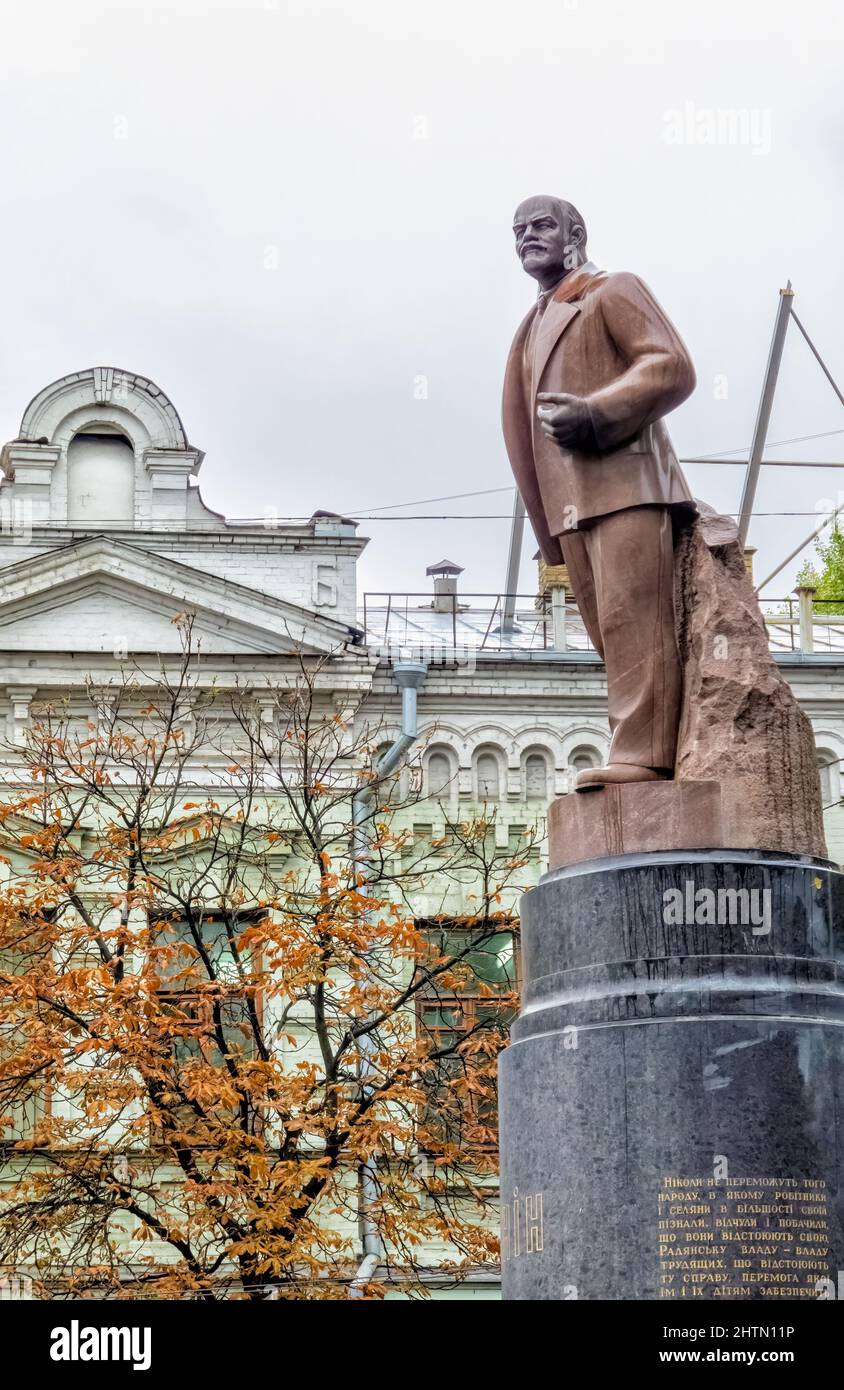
[(593, 368)]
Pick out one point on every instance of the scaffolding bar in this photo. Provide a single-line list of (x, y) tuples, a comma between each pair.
[(514, 560), (763, 417)]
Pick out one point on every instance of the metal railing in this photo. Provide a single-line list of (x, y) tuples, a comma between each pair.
[(805, 624), (456, 623), (477, 621)]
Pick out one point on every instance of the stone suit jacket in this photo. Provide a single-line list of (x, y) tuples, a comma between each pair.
[(602, 337)]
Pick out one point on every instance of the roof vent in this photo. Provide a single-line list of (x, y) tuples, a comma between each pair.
[(445, 585)]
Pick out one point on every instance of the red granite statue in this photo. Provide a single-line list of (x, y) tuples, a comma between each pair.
[(593, 369)]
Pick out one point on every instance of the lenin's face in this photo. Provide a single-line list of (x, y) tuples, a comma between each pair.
[(542, 240)]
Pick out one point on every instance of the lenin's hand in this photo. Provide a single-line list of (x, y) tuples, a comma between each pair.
[(565, 419)]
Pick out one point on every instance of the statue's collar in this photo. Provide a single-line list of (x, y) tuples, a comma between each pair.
[(573, 285)]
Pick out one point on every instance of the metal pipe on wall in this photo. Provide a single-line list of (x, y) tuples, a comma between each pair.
[(409, 675)]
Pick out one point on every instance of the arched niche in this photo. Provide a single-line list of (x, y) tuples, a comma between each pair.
[(100, 478), (585, 755), (829, 772), (440, 772), (536, 769), (489, 770)]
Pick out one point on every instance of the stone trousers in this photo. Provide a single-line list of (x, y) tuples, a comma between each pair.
[(621, 569)]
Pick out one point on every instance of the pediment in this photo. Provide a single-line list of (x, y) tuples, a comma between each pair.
[(101, 595)]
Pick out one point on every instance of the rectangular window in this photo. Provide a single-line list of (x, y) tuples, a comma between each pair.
[(193, 953), (211, 1012), (26, 1098), (464, 1014)]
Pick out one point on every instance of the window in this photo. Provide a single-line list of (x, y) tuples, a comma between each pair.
[(24, 1103), (201, 1024), (196, 1031), (488, 776), (536, 777), (439, 774), (464, 1014), (190, 955), (584, 756)]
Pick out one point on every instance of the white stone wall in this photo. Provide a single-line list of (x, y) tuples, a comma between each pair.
[(319, 579), (318, 576)]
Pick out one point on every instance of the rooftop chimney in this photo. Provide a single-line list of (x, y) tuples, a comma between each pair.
[(445, 585)]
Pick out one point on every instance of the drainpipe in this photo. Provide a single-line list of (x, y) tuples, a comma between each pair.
[(409, 676)]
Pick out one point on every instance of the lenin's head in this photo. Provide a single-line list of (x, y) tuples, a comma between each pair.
[(550, 238)]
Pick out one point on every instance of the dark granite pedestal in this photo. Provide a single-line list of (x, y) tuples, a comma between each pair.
[(672, 1099)]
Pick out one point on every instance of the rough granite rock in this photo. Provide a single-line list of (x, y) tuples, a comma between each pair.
[(740, 724)]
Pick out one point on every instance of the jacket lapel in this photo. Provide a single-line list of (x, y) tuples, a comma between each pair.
[(563, 307), (554, 323)]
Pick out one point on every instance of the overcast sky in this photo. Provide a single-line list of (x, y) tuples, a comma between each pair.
[(295, 217)]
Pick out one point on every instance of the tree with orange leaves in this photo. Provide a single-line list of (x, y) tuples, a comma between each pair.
[(229, 1048)]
